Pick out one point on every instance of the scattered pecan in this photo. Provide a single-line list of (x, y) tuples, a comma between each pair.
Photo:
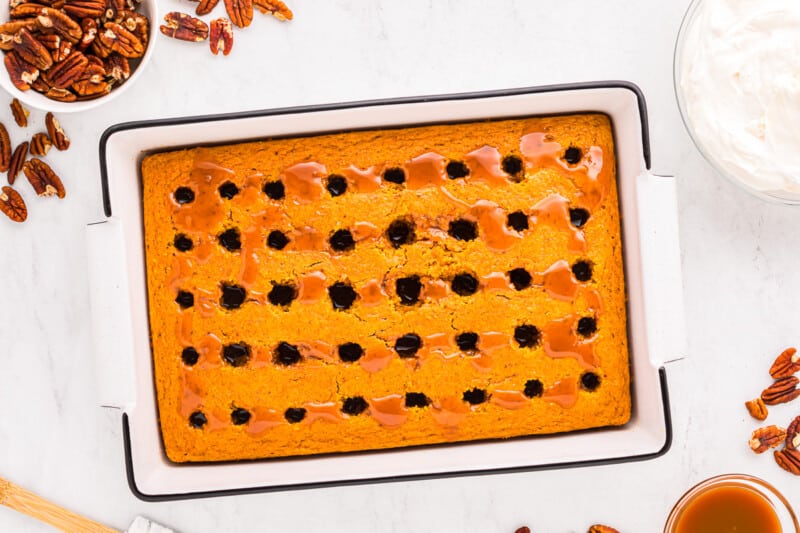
[(5, 149), (240, 12), (599, 528), (757, 409), (56, 132), (81, 9), (20, 113), (17, 160), (276, 8), (787, 364), (789, 460), (22, 73), (64, 74), (118, 39), (782, 391), (206, 6), (12, 205), (40, 144), (44, 181), (118, 68), (184, 27), (221, 39), (28, 48), (765, 438), (523, 529), (53, 19), (793, 435)]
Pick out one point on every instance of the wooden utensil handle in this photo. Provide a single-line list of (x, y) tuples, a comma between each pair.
[(31, 504)]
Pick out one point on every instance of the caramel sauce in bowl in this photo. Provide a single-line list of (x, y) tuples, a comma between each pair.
[(732, 503)]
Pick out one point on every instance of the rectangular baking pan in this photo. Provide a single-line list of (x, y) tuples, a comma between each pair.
[(120, 314)]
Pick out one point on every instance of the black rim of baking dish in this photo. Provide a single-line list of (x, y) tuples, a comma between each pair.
[(374, 103)]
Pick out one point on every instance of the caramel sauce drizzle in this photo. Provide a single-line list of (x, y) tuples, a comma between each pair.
[(311, 287), (434, 289), (492, 223), (252, 243), (250, 194), (426, 170), (496, 281), (554, 211), (192, 393), (365, 230), (561, 340), (182, 268), (389, 411), (327, 411), (559, 281), (318, 350), (376, 359), (563, 393), (449, 412), (303, 181), (261, 420), (372, 293), (368, 180), (185, 327), (493, 340), (205, 213), (509, 399), (205, 302), (482, 362), (589, 175), (306, 239), (485, 166), (210, 350)]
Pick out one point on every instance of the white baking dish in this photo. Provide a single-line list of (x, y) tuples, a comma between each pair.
[(120, 318)]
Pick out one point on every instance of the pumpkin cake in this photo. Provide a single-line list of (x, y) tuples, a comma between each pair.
[(386, 288)]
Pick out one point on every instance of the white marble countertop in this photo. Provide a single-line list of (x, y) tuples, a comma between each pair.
[(739, 264)]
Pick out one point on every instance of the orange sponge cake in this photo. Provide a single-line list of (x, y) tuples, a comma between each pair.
[(386, 288)]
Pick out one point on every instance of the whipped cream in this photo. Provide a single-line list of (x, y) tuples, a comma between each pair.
[(739, 74)]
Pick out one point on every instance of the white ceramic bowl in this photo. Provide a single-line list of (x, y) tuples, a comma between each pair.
[(39, 101)]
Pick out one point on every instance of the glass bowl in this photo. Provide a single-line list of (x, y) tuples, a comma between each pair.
[(680, 58), (780, 504)]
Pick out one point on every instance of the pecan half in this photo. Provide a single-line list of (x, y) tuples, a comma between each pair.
[(63, 51), (89, 27), (787, 364), (205, 7), (64, 74), (117, 67), (793, 435), (93, 81), (118, 39), (757, 409), (61, 95), (20, 113), (12, 205), (765, 438), (17, 160), (53, 19), (276, 8), (221, 39), (40, 144), (134, 22), (184, 27), (100, 49), (26, 10), (22, 73), (81, 9), (31, 50), (8, 31), (45, 182), (782, 391), (51, 41), (56, 132), (5, 149), (599, 528), (240, 12), (789, 460)]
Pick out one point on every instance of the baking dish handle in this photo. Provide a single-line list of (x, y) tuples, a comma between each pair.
[(661, 258), (110, 313)]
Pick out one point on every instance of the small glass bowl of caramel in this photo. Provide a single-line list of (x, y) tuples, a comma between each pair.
[(732, 502)]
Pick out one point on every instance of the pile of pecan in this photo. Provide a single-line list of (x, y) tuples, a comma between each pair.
[(43, 179), (219, 31), (784, 389), (72, 49)]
